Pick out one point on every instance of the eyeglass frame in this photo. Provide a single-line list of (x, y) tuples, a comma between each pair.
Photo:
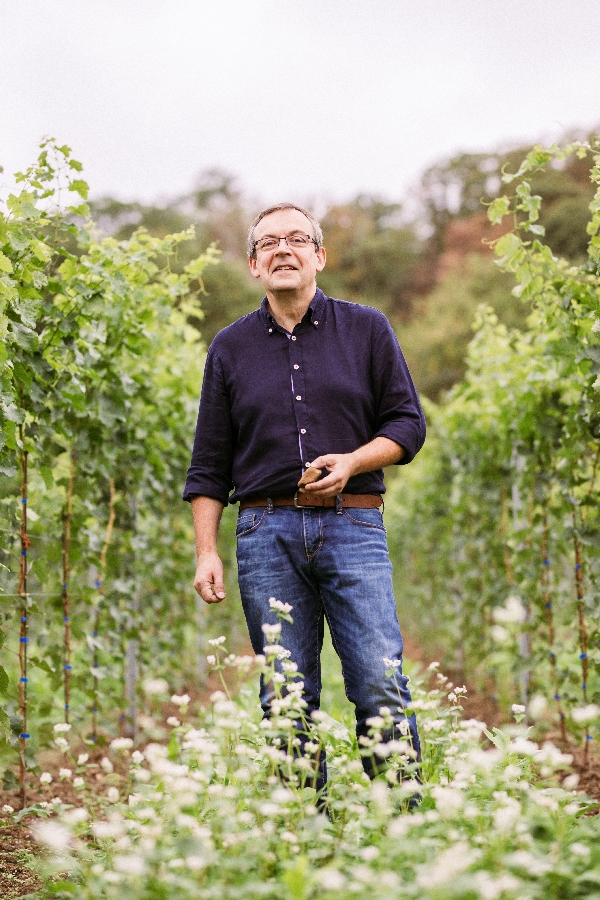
[(284, 237)]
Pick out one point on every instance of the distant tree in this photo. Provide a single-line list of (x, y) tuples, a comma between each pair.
[(373, 257), (459, 186)]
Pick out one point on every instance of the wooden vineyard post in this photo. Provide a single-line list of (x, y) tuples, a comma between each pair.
[(550, 624), (582, 629), (24, 630), (99, 588), (65, 587)]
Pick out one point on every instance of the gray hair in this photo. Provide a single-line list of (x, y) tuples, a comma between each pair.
[(318, 234)]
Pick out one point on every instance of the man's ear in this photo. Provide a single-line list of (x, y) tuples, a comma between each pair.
[(321, 259), (253, 269)]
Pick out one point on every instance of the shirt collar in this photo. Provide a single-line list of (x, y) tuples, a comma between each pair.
[(316, 312)]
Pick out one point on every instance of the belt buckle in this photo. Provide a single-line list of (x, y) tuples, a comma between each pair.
[(299, 505)]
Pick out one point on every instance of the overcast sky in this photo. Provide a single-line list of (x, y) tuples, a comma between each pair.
[(299, 99)]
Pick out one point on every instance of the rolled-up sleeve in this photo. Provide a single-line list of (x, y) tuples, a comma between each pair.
[(399, 413), (209, 474)]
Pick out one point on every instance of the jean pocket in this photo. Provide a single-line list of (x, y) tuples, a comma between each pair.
[(367, 518), (247, 523)]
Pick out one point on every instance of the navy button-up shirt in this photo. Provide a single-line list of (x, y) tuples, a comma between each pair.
[(272, 402)]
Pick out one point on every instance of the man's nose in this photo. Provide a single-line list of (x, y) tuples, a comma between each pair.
[(282, 249)]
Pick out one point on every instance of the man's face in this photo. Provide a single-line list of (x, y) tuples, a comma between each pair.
[(286, 268)]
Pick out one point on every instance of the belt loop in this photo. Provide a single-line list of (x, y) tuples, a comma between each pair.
[(338, 505), (270, 508)]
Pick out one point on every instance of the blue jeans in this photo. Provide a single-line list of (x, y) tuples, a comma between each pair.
[(334, 564)]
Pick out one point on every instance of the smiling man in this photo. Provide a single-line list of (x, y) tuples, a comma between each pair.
[(308, 382)]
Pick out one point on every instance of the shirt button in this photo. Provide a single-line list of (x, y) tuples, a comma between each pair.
[(270, 331), (293, 337), (303, 431), (316, 322), (296, 367), (298, 397)]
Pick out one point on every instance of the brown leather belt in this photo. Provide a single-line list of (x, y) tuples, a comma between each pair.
[(349, 501)]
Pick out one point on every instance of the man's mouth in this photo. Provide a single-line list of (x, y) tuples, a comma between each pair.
[(284, 269)]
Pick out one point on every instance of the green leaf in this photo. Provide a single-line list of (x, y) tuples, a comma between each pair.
[(4, 725), (41, 251), (499, 208), (3, 681), (80, 187), (5, 263)]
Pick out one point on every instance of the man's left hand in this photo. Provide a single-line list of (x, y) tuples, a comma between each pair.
[(340, 467)]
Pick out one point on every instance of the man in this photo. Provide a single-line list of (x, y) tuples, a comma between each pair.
[(307, 381)]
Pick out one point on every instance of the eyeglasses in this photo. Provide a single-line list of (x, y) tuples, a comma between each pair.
[(297, 241)]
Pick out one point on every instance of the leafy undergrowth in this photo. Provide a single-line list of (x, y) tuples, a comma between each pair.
[(224, 809)]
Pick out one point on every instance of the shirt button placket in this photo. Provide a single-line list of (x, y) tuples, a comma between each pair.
[(300, 409)]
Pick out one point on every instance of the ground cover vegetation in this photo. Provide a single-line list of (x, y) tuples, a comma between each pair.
[(493, 529)]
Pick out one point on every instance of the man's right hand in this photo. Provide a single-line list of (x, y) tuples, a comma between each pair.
[(209, 578)]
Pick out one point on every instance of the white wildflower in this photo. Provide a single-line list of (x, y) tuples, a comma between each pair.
[(107, 765), (82, 759), (580, 850), (513, 612), (289, 837), (61, 727), (7, 809), (196, 862), (499, 634), (152, 686), (447, 865), (112, 794), (180, 699), (492, 887), (537, 707), (107, 830), (375, 722), (276, 650), (131, 864), (173, 721), (585, 714), (391, 663), (45, 778), (271, 630), (75, 816), (211, 660), (215, 642), (121, 743), (533, 865), (137, 758), (505, 816), (433, 666), (62, 743), (517, 709), (331, 879), (448, 800), (570, 782), (64, 773), (522, 747), (278, 605), (289, 666), (52, 835), (78, 782)]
